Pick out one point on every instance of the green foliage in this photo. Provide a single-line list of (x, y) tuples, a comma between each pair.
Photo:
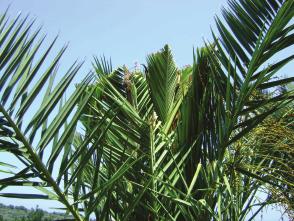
[(36, 215), (29, 96), (160, 144), (273, 156), (20, 213)]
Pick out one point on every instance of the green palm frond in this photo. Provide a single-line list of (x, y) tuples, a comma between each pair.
[(260, 23), (26, 78), (162, 77)]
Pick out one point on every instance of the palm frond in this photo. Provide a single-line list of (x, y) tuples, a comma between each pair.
[(28, 133)]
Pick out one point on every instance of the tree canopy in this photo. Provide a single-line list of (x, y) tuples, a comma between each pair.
[(159, 142)]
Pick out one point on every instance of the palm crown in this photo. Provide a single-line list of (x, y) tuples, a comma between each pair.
[(161, 143)]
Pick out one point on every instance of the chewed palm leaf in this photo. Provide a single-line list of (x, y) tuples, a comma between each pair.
[(162, 77)]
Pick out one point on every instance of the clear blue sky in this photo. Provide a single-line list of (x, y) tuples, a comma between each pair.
[(125, 30)]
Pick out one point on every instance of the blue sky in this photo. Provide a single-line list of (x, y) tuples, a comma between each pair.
[(125, 30)]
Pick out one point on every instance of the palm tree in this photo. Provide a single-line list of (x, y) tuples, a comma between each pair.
[(160, 144), (268, 150)]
